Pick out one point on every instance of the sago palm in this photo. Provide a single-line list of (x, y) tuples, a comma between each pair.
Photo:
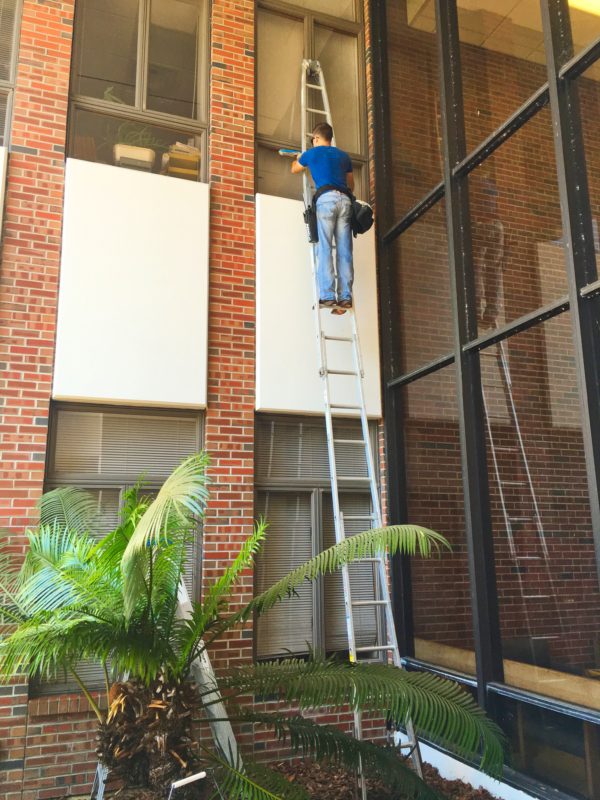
[(115, 599)]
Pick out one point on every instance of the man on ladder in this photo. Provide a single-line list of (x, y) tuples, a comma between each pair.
[(331, 171)]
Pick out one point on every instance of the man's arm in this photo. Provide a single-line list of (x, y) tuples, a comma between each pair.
[(297, 166), (350, 180)]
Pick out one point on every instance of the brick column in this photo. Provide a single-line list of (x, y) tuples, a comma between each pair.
[(28, 292), (230, 414)]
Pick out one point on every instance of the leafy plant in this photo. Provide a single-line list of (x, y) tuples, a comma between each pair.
[(115, 599)]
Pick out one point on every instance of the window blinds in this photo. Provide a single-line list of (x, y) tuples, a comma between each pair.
[(288, 627), (297, 450), (7, 31)]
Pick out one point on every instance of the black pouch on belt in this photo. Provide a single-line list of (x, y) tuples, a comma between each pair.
[(310, 220)]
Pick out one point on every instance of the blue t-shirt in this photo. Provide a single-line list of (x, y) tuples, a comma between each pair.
[(328, 165)]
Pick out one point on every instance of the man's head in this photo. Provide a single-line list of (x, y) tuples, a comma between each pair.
[(322, 134)]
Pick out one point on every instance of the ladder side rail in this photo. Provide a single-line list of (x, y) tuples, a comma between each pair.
[(508, 383), (505, 514), (322, 355), (358, 366)]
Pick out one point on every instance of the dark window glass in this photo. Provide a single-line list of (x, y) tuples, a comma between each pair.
[(284, 39), (134, 144), (420, 302), (106, 51), (553, 748), (503, 61), (588, 88), (434, 495), (518, 252), (173, 68), (414, 130), (545, 560), (140, 59)]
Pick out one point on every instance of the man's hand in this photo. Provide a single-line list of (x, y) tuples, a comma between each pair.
[(350, 180), (296, 165)]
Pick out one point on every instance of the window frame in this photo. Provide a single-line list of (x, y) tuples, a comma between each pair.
[(311, 19), (138, 112), (316, 488)]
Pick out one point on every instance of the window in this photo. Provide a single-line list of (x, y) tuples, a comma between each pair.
[(294, 496), (284, 38), (107, 451), (8, 58), (138, 85)]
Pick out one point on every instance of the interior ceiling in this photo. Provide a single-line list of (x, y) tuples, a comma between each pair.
[(512, 27)]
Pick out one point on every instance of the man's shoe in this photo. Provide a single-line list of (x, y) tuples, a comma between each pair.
[(345, 304), (327, 303)]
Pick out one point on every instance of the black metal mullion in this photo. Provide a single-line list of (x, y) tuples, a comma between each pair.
[(578, 238), (478, 526), (394, 445)]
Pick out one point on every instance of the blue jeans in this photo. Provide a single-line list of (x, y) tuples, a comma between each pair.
[(334, 216)]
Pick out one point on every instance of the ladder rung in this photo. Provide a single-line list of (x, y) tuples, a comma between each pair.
[(369, 602), (528, 558), (358, 516), (318, 111), (338, 338), (520, 519), (375, 647), (350, 441), (340, 372), (368, 560), (512, 449), (314, 86), (364, 478), (536, 596), (513, 483), (344, 406)]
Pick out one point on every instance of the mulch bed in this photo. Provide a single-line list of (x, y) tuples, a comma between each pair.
[(333, 783)]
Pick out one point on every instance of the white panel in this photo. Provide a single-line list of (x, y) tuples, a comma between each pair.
[(3, 164), (132, 312), (287, 377)]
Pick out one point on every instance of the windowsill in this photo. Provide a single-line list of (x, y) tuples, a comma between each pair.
[(563, 686)]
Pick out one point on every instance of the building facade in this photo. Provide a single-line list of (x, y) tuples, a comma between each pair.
[(156, 299)]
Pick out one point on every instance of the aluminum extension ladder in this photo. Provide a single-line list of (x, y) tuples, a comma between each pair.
[(523, 556), (387, 645)]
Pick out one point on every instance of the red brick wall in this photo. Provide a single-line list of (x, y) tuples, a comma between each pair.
[(28, 290)]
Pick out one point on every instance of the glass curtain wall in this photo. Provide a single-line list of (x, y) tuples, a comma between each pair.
[(488, 164)]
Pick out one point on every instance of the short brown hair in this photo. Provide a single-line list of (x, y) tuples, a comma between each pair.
[(324, 130)]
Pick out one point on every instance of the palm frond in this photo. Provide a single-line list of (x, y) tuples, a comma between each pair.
[(320, 742), (181, 498), (190, 633), (57, 571), (405, 539), (439, 708), (235, 784), (70, 507)]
